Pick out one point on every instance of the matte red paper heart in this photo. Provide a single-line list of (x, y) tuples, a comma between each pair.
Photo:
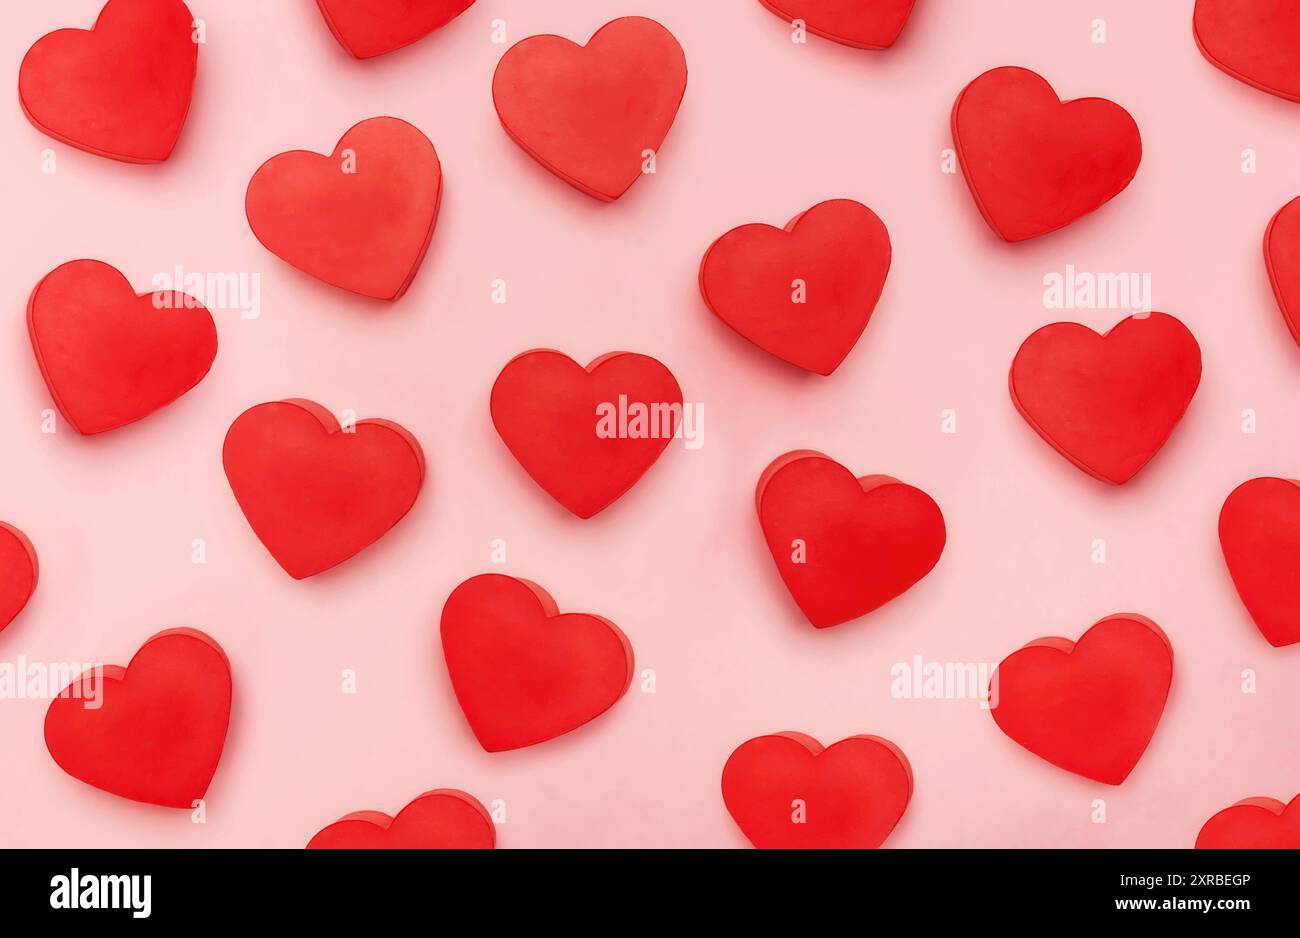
[(1107, 402), (152, 731), (121, 90), (315, 493), (1035, 163), (360, 219), (586, 435), (1253, 824), (111, 356), (863, 24), (785, 791), (1090, 707), (804, 293), (1282, 259), (1255, 41), (19, 571), (589, 113), (1259, 531), (444, 819), (845, 546), (522, 671), (366, 28)]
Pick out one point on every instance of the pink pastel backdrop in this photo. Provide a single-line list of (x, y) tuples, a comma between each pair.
[(767, 129)]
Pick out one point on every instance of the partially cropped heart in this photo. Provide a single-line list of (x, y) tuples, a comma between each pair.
[(19, 571), (786, 791), (110, 356), (863, 24), (366, 28), (1255, 41), (1259, 532), (804, 293), (316, 493), (1090, 707), (121, 90), (1034, 163), (586, 435), (152, 731), (595, 115), (360, 219), (845, 546), (1107, 402), (1282, 260), (522, 671), (1253, 824), (445, 819)]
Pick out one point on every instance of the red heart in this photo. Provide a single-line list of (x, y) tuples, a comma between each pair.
[(863, 24), (18, 573), (1089, 707), (845, 546), (805, 293), (121, 90), (111, 356), (1259, 531), (1035, 163), (1282, 258), (1255, 41), (314, 493), (367, 29), (444, 819), (1107, 402), (786, 792), (568, 426), (589, 113), (1253, 824), (152, 731), (360, 219), (522, 671)]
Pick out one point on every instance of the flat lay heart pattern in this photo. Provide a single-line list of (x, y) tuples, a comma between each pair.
[(378, 454)]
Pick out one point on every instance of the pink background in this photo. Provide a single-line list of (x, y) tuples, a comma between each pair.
[(767, 129)]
